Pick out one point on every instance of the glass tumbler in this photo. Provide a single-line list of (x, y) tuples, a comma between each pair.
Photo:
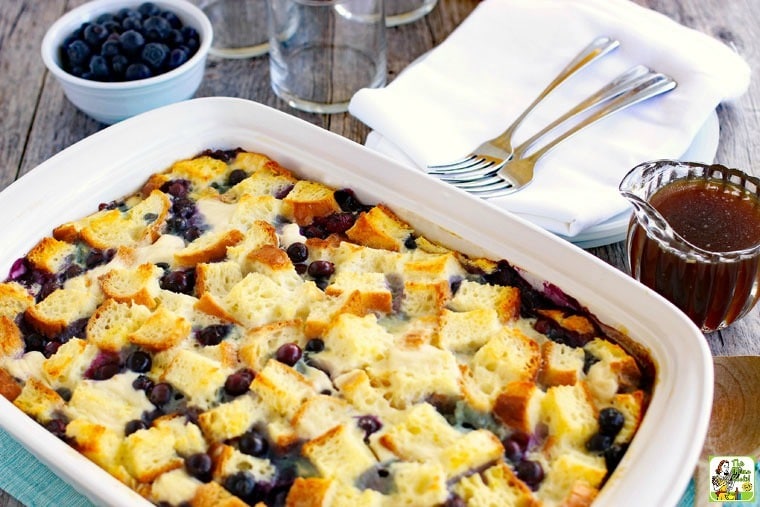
[(399, 12), (694, 237), (323, 51), (240, 27)]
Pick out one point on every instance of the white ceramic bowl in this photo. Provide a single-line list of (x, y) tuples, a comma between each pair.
[(110, 102)]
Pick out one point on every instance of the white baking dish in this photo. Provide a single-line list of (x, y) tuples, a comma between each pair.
[(114, 162)]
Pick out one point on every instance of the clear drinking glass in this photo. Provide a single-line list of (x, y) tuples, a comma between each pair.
[(240, 27), (323, 51), (694, 237), (399, 12)]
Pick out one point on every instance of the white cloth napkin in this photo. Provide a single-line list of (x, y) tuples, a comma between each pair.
[(470, 87)]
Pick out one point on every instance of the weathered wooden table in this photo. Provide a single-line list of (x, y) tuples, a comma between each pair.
[(36, 121)]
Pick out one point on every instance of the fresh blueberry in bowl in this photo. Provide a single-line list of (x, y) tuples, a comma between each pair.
[(118, 58)]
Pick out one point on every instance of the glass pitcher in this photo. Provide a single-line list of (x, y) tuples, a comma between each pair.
[(694, 237)]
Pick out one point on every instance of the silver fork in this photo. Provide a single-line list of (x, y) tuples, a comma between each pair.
[(499, 150), (615, 88), (518, 172)]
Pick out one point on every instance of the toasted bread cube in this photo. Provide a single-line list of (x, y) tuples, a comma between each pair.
[(51, 255), (228, 461), (569, 468), (309, 199), (230, 420), (418, 484), (66, 367), (257, 235), (260, 344), (420, 435), (174, 487), (61, 308), (14, 299), (311, 492), (412, 375), (357, 258), (422, 298), (380, 228), (621, 364), (148, 453), (9, 387), (560, 364), (372, 288), (631, 405), (320, 414), (200, 378), (11, 341), (577, 323), (209, 247), (38, 400), (140, 225), (353, 342), (472, 451), (251, 209), (421, 266), (471, 295), (213, 494), (282, 388), (496, 486), (188, 438), (139, 286), (518, 405), (257, 300), (323, 314), (161, 331), (112, 323), (467, 331), (111, 403), (569, 413), (356, 387), (216, 278), (268, 178), (201, 171), (340, 453), (101, 445)]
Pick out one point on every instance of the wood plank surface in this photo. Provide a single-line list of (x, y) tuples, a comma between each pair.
[(37, 121)]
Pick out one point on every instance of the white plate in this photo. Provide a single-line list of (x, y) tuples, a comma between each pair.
[(702, 149), (116, 161)]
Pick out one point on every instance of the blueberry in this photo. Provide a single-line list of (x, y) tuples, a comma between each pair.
[(172, 18), (160, 394), (110, 48), (174, 39), (212, 335), (611, 421), (132, 42), (147, 9), (369, 424), (613, 455), (199, 465), (139, 361), (155, 55), (289, 353), (142, 383), (134, 425), (298, 252), (99, 68), (347, 200), (240, 484), (530, 472), (180, 281), (253, 444), (57, 427), (126, 13), (599, 443), (236, 175), (315, 345), (137, 71), (132, 24), (78, 53), (104, 18), (156, 28), (95, 35), (176, 188), (176, 58), (321, 269), (239, 382)]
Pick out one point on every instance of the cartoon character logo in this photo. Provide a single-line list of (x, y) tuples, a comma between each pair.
[(723, 482), (732, 479)]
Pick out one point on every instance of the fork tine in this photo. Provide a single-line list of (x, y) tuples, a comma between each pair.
[(502, 187), (475, 184), (465, 162), (472, 163), (485, 172)]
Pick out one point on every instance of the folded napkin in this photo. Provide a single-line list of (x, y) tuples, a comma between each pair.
[(470, 87)]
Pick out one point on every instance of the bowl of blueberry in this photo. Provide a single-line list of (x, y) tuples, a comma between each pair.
[(118, 58)]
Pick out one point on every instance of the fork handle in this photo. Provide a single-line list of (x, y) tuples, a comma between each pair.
[(595, 50), (656, 85)]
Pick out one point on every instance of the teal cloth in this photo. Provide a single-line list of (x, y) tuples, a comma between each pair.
[(32, 483)]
